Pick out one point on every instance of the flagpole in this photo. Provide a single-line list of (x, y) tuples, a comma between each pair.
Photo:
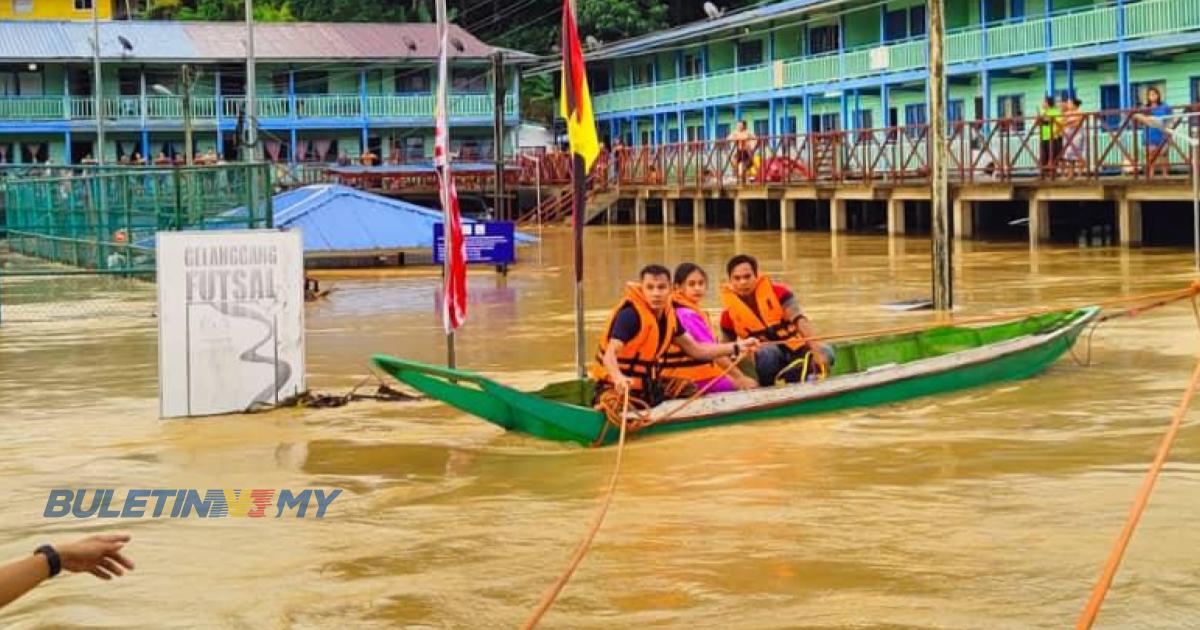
[(442, 27), (577, 213)]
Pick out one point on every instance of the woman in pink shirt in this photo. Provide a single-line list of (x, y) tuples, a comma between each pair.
[(691, 285)]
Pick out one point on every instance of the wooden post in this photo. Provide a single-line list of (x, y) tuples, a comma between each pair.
[(699, 212), (787, 215), (500, 203), (739, 213), (1129, 222), (895, 216), (668, 212), (964, 218), (837, 215), (943, 279)]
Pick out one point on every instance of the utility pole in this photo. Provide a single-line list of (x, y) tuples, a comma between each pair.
[(250, 154), (498, 134), (943, 279), (97, 86), (188, 148)]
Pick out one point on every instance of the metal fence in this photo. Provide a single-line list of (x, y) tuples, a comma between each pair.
[(80, 242)]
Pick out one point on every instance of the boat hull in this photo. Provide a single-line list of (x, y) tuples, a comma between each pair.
[(568, 419)]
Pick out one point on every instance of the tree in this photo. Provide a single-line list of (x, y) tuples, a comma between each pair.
[(611, 20)]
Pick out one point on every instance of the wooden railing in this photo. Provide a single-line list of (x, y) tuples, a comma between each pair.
[(1103, 145)]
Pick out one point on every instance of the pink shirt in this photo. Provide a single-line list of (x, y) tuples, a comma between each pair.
[(697, 326)]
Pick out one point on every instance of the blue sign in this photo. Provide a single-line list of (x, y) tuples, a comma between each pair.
[(490, 242)]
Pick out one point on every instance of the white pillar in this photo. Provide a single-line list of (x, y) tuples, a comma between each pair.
[(699, 207), (639, 210), (1129, 222), (787, 215), (739, 213), (964, 218), (837, 215), (668, 211), (1039, 221), (895, 216)]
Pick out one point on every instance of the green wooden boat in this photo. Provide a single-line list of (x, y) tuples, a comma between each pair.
[(867, 372)]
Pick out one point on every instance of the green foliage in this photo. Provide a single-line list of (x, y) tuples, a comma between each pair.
[(611, 20), (538, 101)]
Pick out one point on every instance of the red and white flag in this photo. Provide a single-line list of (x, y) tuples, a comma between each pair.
[(454, 295)]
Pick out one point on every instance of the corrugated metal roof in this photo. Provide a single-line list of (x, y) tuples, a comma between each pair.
[(337, 218), (225, 41)]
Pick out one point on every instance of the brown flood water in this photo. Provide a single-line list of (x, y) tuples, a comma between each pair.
[(990, 508)]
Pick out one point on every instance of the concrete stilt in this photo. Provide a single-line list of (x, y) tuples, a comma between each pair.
[(639, 211), (669, 211), (699, 210), (895, 217), (1039, 221), (739, 213), (837, 215), (964, 219), (787, 215), (1129, 222)]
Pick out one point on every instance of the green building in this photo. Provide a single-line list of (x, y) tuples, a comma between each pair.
[(322, 90)]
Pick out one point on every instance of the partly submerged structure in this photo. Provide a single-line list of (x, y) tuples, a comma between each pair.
[(347, 226)]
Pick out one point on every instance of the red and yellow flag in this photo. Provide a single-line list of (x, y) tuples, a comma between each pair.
[(576, 98)]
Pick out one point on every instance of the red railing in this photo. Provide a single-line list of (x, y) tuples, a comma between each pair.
[(1090, 146)]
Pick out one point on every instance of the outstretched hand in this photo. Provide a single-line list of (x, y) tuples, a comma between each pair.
[(99, 555)]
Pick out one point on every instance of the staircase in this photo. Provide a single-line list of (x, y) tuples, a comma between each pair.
[(559, 208)]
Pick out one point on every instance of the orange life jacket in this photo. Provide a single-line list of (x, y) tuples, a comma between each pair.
[(767, 321), (677, 364), (640, 359)]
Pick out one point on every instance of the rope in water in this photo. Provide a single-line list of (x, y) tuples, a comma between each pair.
[(619, 416), (1092, 609), (551, 594)]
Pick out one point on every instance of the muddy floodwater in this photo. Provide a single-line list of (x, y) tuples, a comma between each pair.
[(989, 508)]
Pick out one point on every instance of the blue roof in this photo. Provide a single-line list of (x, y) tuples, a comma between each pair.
[(336, 218)]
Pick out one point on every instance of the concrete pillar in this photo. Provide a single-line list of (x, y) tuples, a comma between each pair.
[(964, 219), (895, 216), (699, 205), (1039, 221), (837, 215), (668, 206), (639, 211), (787, 214), (739, 213), (1129, 222)]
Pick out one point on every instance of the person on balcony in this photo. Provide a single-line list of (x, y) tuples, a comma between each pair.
[(758, 308), (1075, 137), (1050, 124), (691, 285), (369, 158), (744, 142), (1156, 134)]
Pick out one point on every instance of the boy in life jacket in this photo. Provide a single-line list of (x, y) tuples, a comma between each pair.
[(767, 311), (640, 329)]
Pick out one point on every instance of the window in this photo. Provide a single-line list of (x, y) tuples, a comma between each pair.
[(750, 53), (695, 133), (1140, 89), (954, 111), (1001, 10), (762, 128), (673, 136), (312, 83), (22, 6), (823, 39), (895, 25), (472, 80), (978, 108), (863, 119), (1012, 107), (916, 21), (412, 81), (691, 65), (414, 148), (723, 131), (821, 123), (643, 73), (1196, 89), (789, 125), (130, 81), (915, 117), (83, 5)]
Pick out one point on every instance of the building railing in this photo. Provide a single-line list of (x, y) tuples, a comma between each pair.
[(1065, 29), (1103, 145), (324, 106)]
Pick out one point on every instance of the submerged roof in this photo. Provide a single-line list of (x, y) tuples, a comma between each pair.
[(225, 41), (336, 218)]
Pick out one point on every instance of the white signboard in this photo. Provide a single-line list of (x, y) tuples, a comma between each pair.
[(881, 58), (230, 320)]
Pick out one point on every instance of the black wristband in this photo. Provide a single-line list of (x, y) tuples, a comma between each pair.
[(737, 349), (52, 558)]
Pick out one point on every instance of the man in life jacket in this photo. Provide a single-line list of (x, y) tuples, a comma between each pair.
[(640, 329), (767, 311)]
